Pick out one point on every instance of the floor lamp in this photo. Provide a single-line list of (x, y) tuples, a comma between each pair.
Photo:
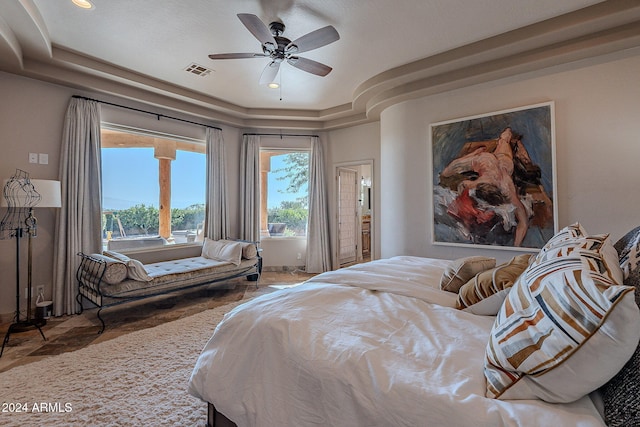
[(20, 196)]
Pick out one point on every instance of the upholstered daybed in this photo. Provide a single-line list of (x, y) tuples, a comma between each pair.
[(112, 278)]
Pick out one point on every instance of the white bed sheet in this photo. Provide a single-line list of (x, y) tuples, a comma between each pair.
[(373, 345)]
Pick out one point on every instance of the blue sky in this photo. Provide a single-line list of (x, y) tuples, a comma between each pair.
[(130, 177)]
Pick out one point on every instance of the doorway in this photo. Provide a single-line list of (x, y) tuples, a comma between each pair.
[(354, 213)]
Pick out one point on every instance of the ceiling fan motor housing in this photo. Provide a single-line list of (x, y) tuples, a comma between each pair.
[(280, 52)]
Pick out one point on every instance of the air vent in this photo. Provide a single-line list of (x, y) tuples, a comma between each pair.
[(198, 70)]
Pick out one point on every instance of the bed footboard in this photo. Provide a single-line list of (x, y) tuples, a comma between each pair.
[(216, 419)]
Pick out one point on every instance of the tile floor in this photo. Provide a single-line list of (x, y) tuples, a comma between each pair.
[(69, 333)]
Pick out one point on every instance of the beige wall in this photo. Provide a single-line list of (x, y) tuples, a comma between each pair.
[(597, 111), (597, 133), (31, 119), (357, 144)]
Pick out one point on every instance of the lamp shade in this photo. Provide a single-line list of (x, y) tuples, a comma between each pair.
[(47, 194)]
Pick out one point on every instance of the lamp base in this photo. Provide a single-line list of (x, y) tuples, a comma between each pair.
[(25, 326), (22, 326)]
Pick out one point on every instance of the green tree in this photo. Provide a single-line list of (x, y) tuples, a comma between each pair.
[(296, 174), (140, 219), (187, 218), (294, 214)]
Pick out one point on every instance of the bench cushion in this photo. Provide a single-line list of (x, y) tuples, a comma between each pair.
[(175, 274)]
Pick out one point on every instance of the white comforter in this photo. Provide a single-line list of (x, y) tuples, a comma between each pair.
[(376, 344)]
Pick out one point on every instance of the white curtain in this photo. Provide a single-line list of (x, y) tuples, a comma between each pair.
[(217, 209), (79, 221), (250, 188), (318, 248)]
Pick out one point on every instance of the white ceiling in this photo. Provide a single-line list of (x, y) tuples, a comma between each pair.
[(140, 48)]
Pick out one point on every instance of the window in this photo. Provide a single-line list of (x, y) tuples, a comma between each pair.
[(153, 190), (284, 195)]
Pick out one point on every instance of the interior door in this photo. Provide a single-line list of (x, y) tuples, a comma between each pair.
[(347, 215)]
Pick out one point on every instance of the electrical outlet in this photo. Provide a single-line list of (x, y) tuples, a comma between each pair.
[(33, 157), (40, 290), (299, 255)]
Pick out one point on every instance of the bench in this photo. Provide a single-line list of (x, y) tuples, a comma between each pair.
[(112, 278)]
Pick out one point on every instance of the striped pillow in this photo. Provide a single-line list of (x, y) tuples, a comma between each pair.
[(570, 232), (566, 327), (485, 293), (462, 270), (595, 249)]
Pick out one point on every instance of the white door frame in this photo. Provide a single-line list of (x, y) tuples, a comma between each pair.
[(354, 163)]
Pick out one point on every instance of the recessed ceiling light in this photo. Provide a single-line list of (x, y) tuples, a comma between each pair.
[(84, 4), (273, 85)]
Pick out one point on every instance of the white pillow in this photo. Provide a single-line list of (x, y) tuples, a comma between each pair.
[(489, 306), (135, 269), (221, 250), (249, 249)]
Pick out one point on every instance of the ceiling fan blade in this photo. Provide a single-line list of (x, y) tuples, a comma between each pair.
[(258, 29), (236, 55), (310, 66), (313, 40), (269, 73)]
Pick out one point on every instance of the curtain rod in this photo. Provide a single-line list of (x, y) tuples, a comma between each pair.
[(158, 115), (281, 135)]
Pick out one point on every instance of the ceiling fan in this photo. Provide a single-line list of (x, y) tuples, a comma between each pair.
[(278, 48)]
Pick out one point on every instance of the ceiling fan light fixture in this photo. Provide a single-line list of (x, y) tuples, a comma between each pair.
[(273, 85), (84, 4)]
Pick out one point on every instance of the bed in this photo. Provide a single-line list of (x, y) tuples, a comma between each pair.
[(382, 344)]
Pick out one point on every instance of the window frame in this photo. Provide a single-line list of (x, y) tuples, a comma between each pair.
[(264, 234), (181, 141)]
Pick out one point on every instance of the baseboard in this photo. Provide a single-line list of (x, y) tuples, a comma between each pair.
[(7, 317), (283, 268)]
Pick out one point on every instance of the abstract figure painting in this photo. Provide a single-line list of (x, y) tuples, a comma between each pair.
[(494, 179)]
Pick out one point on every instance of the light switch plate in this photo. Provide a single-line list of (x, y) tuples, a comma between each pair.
[(33, 157), (43, 159)]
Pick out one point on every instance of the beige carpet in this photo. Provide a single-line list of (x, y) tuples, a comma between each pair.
[(135, 379)]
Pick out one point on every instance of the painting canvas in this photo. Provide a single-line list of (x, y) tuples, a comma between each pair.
[(494, 179)]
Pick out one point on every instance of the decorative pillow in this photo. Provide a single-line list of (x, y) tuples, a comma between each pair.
[(249, 250), (566, 328), (462, 270), (491, 287), (620, 395), (606, 257), (117, 255), (569, 232), (135, 269), (221, 250), (115, 271)]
